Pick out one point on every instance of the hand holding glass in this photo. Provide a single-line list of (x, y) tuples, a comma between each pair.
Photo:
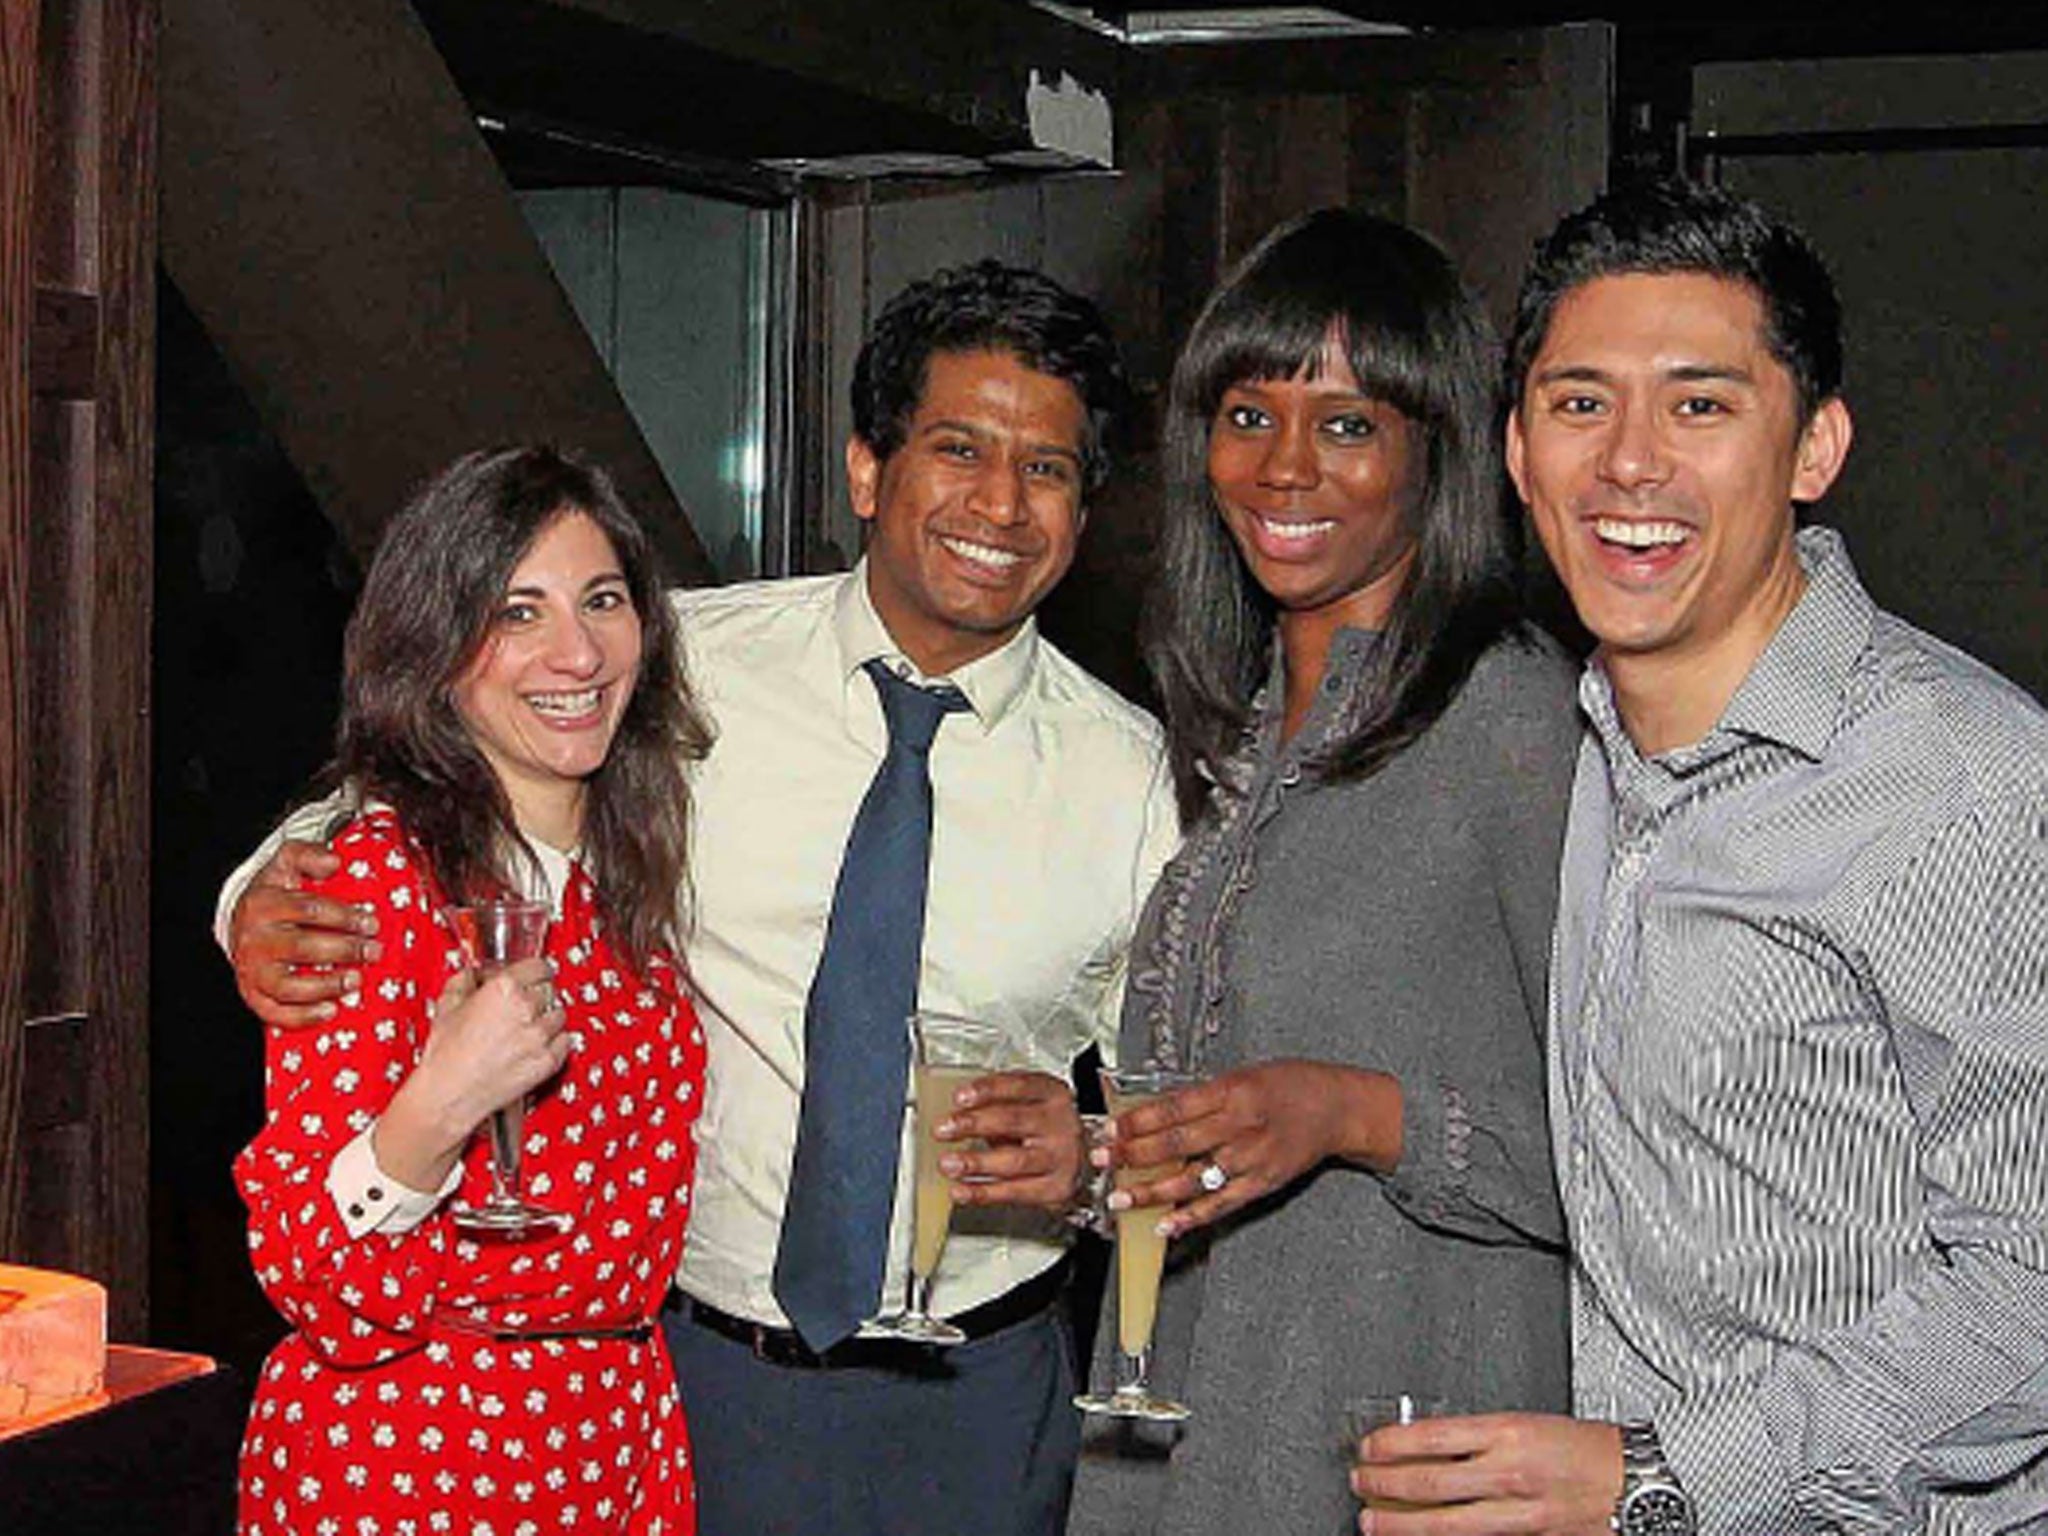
[(1140, 1262), (1366, 1414), (493, 935), (949, 1051)]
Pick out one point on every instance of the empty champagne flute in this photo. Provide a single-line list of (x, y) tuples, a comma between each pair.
[(493, 935), (948, 1052), (1140, 1261)]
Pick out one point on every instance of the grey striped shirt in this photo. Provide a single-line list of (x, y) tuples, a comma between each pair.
[(1799, 1077)]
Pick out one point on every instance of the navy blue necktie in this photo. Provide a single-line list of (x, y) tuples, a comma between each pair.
[(835, 1227)]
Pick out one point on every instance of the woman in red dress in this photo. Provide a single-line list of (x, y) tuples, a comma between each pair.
[(513, 722)]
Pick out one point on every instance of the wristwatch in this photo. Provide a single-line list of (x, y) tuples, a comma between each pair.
[(1651, 1502)]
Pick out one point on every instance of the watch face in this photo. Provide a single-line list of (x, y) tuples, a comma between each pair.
[(1657, 1512)]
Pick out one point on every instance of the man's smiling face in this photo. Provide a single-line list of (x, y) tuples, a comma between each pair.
[(976, 516), (1659, 448)]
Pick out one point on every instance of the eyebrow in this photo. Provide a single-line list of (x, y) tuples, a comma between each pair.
[(1683, 373), (982, 434), (602, 578)]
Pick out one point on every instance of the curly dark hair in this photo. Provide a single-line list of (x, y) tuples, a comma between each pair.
[(1416, 338), (424, 615), (1672, 226), (995, 308)]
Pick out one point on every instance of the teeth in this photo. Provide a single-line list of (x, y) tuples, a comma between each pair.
[(581, 702), (1635, 535), (983, 554), (1281, 530)]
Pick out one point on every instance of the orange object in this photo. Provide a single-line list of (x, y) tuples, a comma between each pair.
[(53, 1344)]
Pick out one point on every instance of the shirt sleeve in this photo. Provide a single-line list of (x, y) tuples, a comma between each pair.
[(359, 1292), (1476, 1152), (1158, 839), (1943, 1382), (369, 1200), (307, 823)]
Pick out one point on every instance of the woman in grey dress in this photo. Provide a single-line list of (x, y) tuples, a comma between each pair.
[(1373, 753)]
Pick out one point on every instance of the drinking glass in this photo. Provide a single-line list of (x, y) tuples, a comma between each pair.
[(949, 1051), (1140, 1261), (493, 935), (1365, 1414)]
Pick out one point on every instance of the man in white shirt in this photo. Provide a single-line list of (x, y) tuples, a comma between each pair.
[(981, 402)]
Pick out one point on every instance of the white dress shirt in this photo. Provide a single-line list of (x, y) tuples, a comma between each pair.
[(1052, 814)]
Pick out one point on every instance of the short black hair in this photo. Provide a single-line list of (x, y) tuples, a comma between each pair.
[(989, 307), (1672, 226)]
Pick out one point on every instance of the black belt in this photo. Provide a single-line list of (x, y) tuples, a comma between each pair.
[(784, 1346)]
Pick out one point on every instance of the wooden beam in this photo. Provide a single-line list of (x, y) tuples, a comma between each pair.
[(64, 350), (18, 19), (118, 600), (774, 78), (333, 217)]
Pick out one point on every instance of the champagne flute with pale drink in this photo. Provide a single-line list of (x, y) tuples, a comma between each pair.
[(949, 1051), (1140, 1261)]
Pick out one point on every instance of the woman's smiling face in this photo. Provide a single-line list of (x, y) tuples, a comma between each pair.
[(1316, 482), (544, 696)]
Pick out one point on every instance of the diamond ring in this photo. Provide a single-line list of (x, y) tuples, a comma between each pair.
[(1212, 1177)]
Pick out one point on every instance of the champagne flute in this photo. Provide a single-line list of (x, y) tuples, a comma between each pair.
[(949, 1051), (1140, 1261), (493, 935)]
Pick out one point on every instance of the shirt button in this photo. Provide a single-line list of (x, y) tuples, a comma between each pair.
[(356, 1211), (374, 1192)]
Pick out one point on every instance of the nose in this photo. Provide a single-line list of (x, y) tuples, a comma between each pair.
[(572, 648), (1634, 451), (998, 491), (1290, 461)]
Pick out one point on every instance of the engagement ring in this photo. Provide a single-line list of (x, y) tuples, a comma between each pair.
[(1212, 1177)]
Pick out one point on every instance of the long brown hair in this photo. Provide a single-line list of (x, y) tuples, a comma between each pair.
[(424, 615)]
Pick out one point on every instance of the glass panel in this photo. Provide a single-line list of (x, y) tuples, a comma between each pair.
[(673, 288)]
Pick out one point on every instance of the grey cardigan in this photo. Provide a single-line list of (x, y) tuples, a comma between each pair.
[(1400, 922)]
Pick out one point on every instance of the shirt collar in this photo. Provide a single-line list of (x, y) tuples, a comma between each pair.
[(1793, 695), (1794, 691), (992, 684)]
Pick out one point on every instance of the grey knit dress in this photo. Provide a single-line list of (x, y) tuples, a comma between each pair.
[(1400, 923)]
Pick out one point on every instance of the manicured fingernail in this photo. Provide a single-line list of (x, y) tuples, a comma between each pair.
[(1118, 1200), (945, 1129), (372, 950), (966, 1098), (351, 981), (952, 1167), (324, 1012), (1167, 1227), (1099, 1156)]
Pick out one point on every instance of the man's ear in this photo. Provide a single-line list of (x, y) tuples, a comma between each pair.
[(863, 478), (1823, 447)]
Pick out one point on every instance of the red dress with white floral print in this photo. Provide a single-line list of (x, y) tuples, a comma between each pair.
[(387, 1411)]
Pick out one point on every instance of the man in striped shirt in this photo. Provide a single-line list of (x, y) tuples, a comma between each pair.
[(1799, 1001)]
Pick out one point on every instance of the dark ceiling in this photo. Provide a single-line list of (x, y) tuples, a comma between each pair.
[(1797, 28)]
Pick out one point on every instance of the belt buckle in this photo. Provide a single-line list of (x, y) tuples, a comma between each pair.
[(768, 1346)]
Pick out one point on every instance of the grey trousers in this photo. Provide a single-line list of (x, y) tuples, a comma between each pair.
[(984, 1440)]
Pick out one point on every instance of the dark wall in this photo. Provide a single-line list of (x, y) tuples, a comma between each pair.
[(253, 588), (1920, 180)]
